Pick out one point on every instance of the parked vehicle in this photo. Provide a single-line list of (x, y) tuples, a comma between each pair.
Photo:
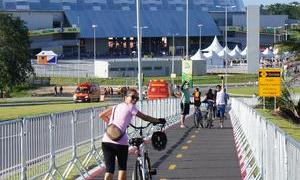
[(158, 89), (87, 92)]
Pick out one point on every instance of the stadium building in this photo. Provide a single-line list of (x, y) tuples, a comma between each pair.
[(62, 25)]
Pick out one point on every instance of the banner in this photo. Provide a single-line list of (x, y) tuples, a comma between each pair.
[(44, 32), (187, 71)]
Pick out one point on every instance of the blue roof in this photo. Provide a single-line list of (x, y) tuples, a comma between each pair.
[(160, 23), (207, 5)]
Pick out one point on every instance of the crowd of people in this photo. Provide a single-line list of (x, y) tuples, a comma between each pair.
[(120, 116), (218, 99)]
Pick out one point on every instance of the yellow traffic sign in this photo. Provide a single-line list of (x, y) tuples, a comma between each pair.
[(269, 82)]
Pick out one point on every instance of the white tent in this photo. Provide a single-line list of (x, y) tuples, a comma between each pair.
[(267, 53), (234, 54), (237, 49), (244, 52), (212, 59), (223, 51), (198, 56), (46, 57), (215, 46)]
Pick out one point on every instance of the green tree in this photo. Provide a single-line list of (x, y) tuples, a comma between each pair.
[(291, 9), (15, 66)]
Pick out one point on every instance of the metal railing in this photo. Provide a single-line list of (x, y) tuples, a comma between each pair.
[(55, 146), (265, 151)]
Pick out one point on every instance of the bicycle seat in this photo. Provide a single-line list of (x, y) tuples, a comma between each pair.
[(136, 141)]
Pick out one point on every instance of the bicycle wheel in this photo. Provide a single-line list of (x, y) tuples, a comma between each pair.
[(137, 171), (209, 120), (196, 121), (148, 167)]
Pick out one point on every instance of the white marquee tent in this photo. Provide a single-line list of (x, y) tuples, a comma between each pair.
[(215, 46), (212, 59), (267, 53), (198, 56)]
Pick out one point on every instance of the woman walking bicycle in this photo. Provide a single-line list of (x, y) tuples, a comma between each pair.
[(120, 116)]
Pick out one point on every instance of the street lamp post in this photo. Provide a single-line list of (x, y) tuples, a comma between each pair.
[(225, 55), (286, 31), (173, 55), (139, 48), (187, 30), (78, 43), (94, 28), (274, 33), (200, 26)]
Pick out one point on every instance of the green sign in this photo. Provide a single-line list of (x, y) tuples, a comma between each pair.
[(44, 32), (187, 71)]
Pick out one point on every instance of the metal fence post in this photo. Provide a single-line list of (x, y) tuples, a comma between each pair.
[(23, 149)]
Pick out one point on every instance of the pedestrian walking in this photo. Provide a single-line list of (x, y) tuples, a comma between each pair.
[(61, 90), (55, 90), (220, 102), (120, 116), (185, 103)]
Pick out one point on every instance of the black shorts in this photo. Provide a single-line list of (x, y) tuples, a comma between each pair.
[(185, 108), (110, 152)]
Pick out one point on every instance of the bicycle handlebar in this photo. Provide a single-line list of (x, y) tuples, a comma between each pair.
[(142, 127)]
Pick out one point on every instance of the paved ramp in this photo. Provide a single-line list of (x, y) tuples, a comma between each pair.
[(204, 154)]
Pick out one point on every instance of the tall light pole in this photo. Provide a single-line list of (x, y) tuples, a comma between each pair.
[(78, 50), (200, 26), (187, 30), (286, 31), (225, 55), (94, 28), (173, 55), (139, 48), (274, 33)]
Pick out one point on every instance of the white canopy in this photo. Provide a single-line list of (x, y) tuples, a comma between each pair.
[(235, 54), (267, 53), (198, 56), (215, 46), (237, 49), (46, 53), (223, 51), (213, 59), (244, 52)]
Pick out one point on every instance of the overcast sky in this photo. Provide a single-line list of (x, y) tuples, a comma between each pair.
[(266, 2)]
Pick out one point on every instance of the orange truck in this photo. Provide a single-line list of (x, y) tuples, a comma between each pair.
[(158, 89), (87, 92)]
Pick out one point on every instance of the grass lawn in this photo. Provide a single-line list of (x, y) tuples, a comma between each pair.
[(250, 90), (9, 113), (205, 79), (292, 129)]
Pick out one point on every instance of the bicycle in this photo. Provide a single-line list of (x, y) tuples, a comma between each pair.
[(143, 169), (210, 113), (198, 117)]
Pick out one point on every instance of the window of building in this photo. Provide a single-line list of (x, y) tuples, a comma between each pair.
[(130, 69), (114, 69), (157, 68), (147, 68)]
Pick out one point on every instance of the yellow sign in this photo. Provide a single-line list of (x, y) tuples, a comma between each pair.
[(269, 82)]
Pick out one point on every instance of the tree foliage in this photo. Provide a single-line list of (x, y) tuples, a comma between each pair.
[(15, 63), (291, 9)]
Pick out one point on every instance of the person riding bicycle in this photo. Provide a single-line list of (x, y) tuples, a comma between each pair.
[(210, 101), (197, 104), (121, 116)]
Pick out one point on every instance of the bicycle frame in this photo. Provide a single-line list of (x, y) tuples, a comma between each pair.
[(142, 155)]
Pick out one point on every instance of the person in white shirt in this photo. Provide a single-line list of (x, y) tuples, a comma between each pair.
[(220, 102)]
